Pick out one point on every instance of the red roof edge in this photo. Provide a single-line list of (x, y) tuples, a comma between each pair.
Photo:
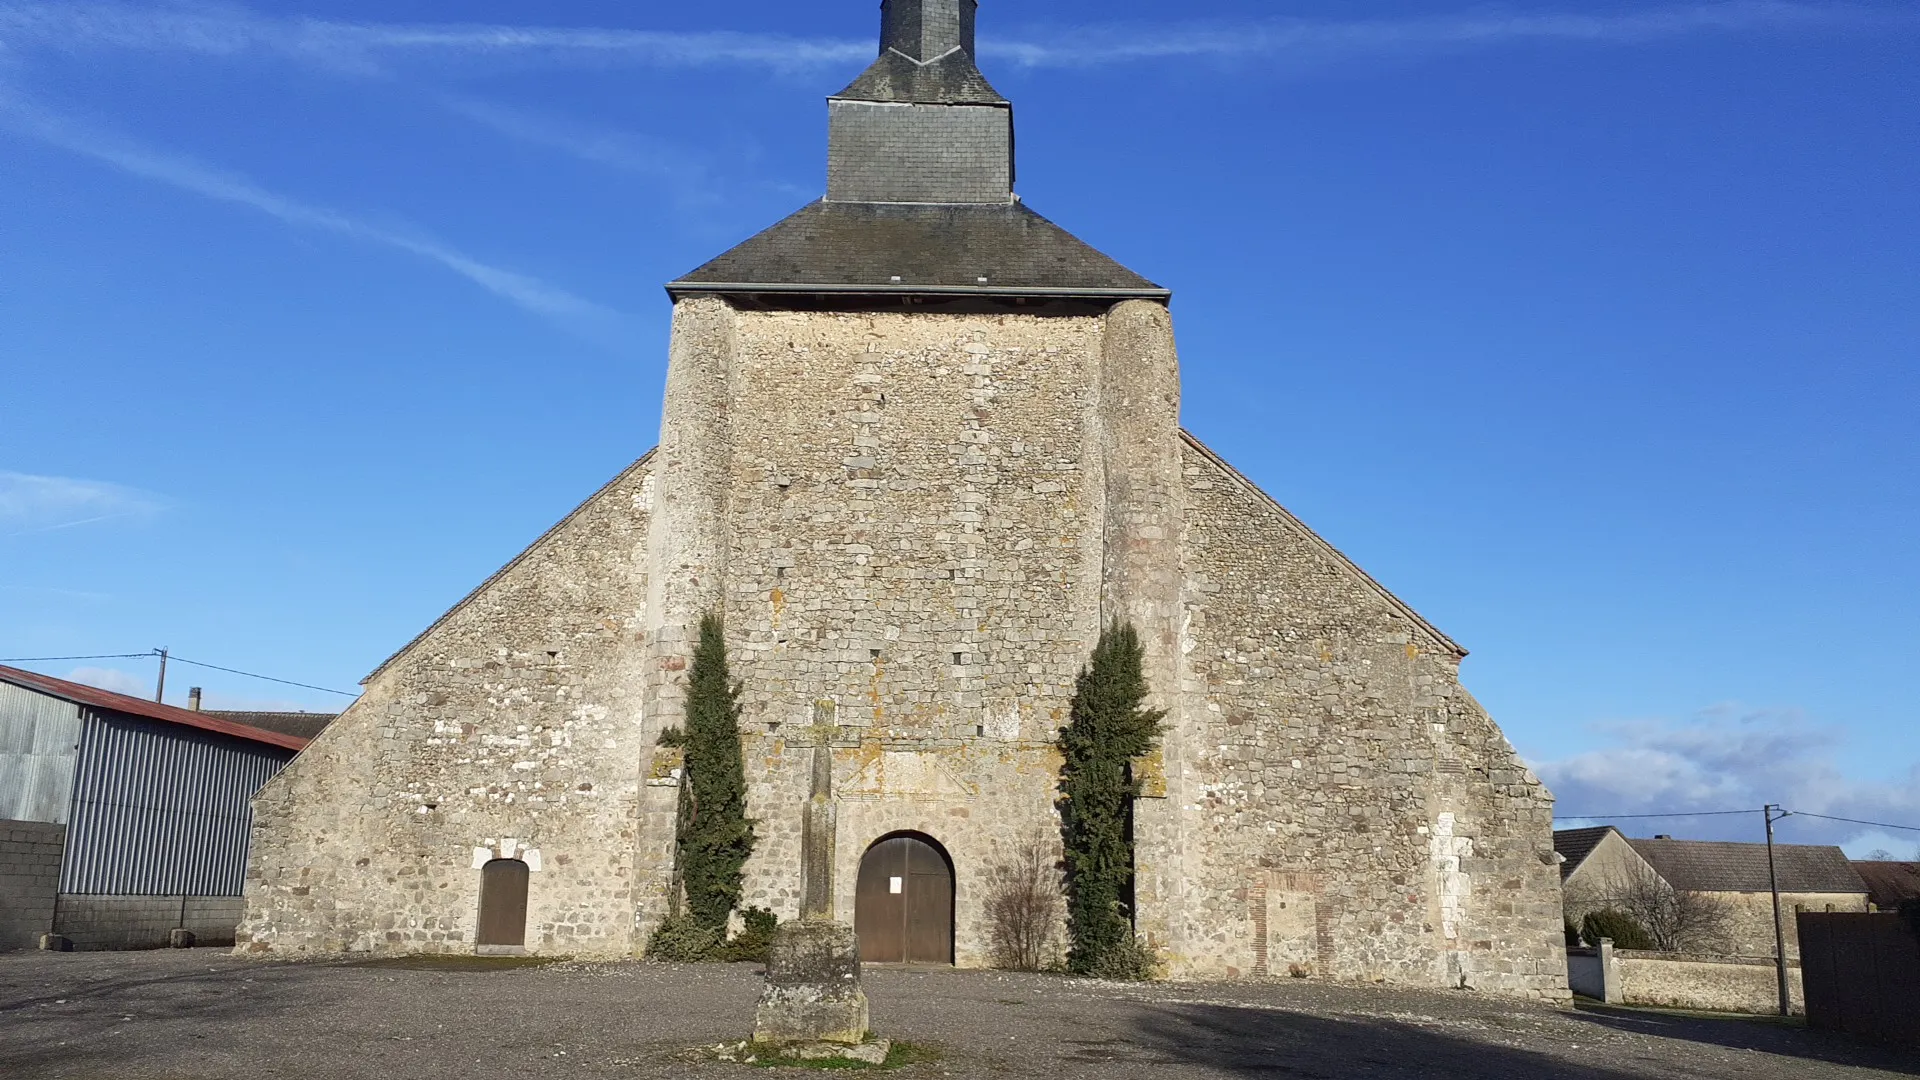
[(152, 710)]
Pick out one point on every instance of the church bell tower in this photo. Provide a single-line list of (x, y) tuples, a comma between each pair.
[(919, 444), (920, 202)]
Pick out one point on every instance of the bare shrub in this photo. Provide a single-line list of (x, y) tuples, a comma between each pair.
[(1676, 920), (1024, 905)]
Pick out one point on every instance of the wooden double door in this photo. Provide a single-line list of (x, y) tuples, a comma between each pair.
[(903, 906)]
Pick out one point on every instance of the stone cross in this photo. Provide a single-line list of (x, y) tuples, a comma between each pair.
[(813, 1006), (818, 823)]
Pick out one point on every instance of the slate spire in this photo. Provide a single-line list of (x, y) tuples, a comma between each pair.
[(920, 192), (925, 30)]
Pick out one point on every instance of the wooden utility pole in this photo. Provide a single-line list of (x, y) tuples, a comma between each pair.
[(1774, 813), (160, 690)]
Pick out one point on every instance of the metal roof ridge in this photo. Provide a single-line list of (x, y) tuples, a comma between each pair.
[(95, 697)]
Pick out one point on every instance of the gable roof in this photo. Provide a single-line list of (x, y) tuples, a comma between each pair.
[(94, 697), (918, 249), (303, 725), (1890, 884), (1718, 866), (1314, 538), (515, 561), (1574, 845)]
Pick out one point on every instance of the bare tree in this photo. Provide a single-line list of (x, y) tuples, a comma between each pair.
[(1678, 921), (1024, 904), (1879, 855)]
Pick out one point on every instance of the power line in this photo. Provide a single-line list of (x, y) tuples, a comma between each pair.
[(1857, 821), (1731, 813), (178, 660), (52, 659), (267, 678), (1622, 817)]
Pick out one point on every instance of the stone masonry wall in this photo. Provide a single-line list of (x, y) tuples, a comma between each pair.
[(1357, 814), (511, 728), (1750, 918), (1715, 984), (30, 857), (914, 538), (915, 524)]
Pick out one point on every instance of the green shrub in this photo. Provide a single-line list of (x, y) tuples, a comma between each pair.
[(714, 836), (1127, 960), (1572, 934), (683, 939), (1109, 728), (755, 938), (1618, 925)]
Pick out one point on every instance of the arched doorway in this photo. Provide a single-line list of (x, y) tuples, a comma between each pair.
[(903, 906), (503, 903)]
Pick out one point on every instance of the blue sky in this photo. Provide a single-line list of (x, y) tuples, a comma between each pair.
[(1589, 328)]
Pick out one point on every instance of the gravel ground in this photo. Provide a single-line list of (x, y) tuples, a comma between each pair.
[(202, 1015)]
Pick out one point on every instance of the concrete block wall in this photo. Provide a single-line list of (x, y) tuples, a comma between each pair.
[(145, 922), (30, 854)]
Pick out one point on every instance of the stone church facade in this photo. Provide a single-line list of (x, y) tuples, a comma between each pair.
[(918, 445)]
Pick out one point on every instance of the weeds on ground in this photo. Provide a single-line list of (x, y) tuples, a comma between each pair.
[(458, 962), (899, 1055)]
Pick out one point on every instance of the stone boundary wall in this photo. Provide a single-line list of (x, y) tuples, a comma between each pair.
[(146, 922), (1712, 984), (30, 854)]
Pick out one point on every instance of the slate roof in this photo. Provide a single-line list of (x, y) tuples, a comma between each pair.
[(1889, 884), (952, 79), (1713, 866), (303, 725), (1576, 844), (109, 701), (862, 248)]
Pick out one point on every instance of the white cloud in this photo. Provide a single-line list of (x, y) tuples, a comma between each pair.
[(365, 47), (120, 682), (37, 504), (1732, 758), (1294, 41), (373, 47), (684, 174), (522, 290)]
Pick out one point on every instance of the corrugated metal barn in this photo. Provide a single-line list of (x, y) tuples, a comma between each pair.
[(122, 820)]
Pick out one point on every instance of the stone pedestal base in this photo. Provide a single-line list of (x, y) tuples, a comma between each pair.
[(873, 1053), (813, 990)]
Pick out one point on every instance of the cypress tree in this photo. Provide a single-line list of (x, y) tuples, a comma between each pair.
[(1109, 728), (713, 833)]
